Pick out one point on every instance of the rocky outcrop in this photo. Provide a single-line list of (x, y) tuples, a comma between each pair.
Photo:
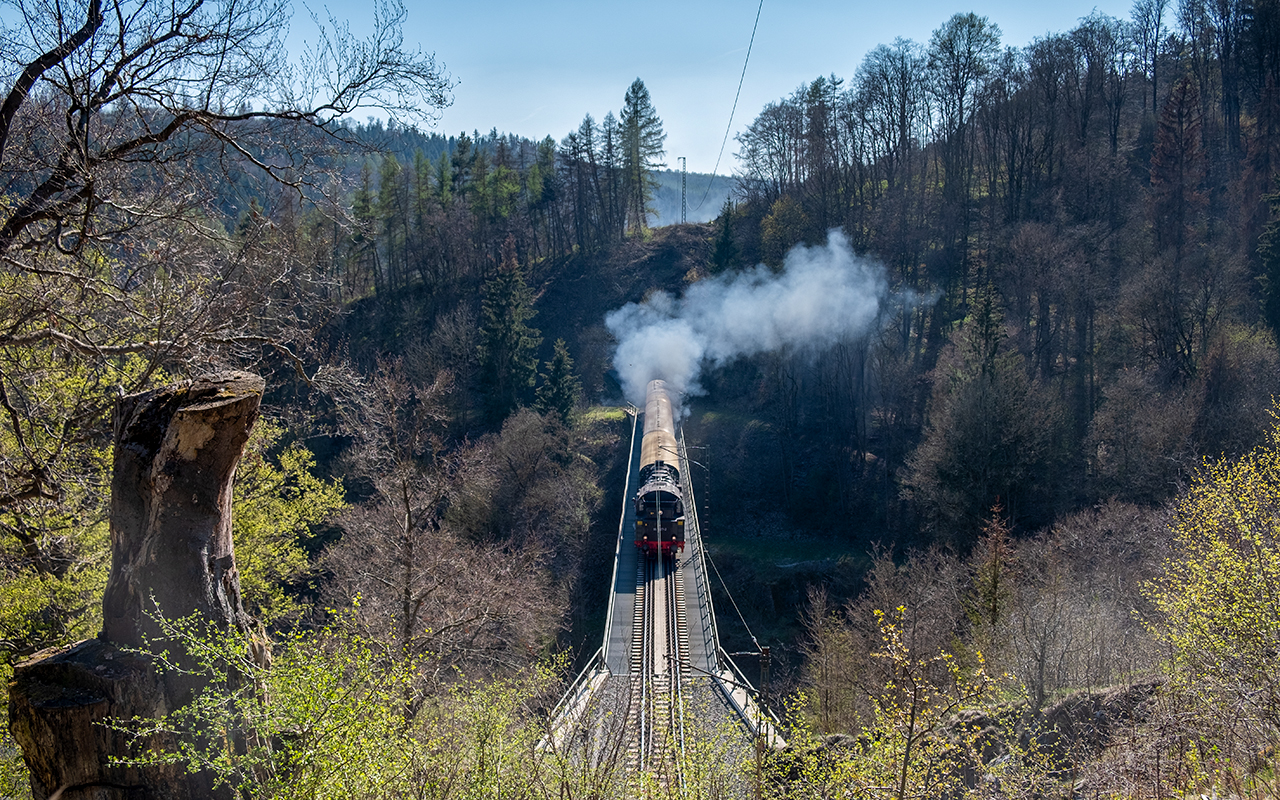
[(1083, 723), (176, 451), (1061, 737)]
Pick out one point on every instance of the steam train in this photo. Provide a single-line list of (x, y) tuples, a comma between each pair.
[(659, 504)]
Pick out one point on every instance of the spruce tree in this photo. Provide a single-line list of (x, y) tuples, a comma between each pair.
[(560, 389), (508, 346), (726, 252), (642, 149)]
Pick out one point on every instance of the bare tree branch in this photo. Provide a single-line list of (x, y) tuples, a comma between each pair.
[(22, 87)]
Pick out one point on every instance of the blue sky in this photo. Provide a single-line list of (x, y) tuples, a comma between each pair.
[(535, 68)]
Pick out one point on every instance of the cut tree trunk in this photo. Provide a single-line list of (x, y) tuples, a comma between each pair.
[(176, 451)]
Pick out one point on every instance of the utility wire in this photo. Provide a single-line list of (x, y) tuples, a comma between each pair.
[(731, 600), (734, 110)]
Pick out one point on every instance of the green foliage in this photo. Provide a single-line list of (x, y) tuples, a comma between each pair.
[(277, 502), (334, 715), (725, 254), (325, 719), (15, 782), (42, 609), (785, 226), (444, 178), (561, 390), (1219, 604), (54, 544), (994, 576), (642, 150), (908, 748), (989, 434), (508, 346), (1220, 595)]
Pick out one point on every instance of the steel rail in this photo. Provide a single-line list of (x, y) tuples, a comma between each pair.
[(704, 590), (617, 552), (675, 668)]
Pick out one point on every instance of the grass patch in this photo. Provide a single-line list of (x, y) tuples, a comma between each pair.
[(604, 414), (786, 553)]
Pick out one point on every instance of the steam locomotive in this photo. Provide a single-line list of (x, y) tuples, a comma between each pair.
[(659, 504)]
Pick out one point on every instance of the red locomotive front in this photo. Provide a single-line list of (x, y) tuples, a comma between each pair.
[(659, 504)]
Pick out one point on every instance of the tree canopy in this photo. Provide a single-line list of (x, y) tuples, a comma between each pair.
[(642, 150)]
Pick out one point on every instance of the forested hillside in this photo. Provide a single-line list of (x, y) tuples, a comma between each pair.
[(994, 490)]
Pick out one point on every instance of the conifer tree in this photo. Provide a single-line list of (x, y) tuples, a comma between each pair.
[(508, 346), (444, 178), (391, 213), (993, 577), (560, 389), (613, 201), (1178, 169), (363, 253), (1269, 255), (726, 252), (642, 149)]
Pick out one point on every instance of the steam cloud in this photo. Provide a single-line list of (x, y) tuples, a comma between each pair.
[(824, 294)]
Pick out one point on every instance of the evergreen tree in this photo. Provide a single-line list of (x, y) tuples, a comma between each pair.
[(392, 216), (560, 389), (1269, 253), (461, 160), (508, 346), (612, 194), (363, 255), (987, 603), (989, 433), (642, 149), (1178, 169), (726, 252), (444, 178)]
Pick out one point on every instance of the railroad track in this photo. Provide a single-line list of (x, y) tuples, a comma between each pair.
[(659, 658)]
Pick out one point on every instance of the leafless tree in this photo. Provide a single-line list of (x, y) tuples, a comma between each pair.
[(435, 592), (109, 106), (122, 123), (1149, 28)]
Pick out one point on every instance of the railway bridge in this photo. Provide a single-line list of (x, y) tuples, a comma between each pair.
[(660, 694)]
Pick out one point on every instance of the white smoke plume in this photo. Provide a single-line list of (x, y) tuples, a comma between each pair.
[(823, 295)]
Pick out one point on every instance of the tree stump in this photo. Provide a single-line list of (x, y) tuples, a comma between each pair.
[(176, 451), (175, 457)]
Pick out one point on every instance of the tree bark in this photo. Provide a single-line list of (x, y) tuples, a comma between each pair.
[(176, 451), (175, 457)]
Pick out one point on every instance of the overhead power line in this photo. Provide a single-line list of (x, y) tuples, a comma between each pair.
[(734, 110)]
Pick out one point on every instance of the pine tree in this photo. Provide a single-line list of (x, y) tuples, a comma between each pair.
[(613, 202), (444, 178), (508, 346), (642, 147), (560, 389)]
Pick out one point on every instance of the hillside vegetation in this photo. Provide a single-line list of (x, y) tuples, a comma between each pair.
[(957, 522)]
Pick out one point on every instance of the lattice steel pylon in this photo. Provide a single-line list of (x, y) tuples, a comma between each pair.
[(684, 206)]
